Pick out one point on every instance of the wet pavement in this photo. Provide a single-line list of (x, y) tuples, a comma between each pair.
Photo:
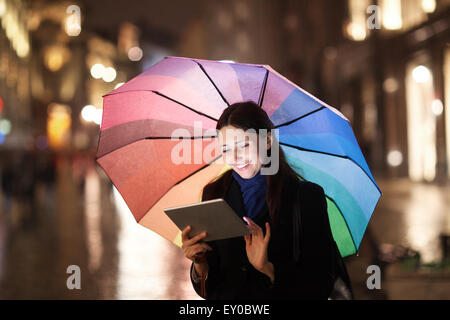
[(82, 220)]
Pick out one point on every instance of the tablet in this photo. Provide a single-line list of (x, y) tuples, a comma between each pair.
[(214, 216)]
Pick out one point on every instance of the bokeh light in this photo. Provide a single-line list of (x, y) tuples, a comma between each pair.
[(109, 75), (421, 74), (395, 158), (97, 70), (5, 126), (135, 54), (437, 107)]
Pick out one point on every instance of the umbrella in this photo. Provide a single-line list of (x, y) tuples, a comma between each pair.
[(136, 149)]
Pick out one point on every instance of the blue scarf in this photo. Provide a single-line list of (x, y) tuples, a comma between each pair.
[(253, 193)]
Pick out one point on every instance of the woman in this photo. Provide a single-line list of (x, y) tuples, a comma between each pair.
[(291, 253)]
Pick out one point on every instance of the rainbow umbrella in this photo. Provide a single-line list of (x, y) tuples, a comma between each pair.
[(183, 98)]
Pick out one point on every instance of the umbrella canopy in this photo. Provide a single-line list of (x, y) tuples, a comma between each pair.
[(136, 149)]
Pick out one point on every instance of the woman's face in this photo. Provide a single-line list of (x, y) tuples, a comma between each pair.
[(240, 150)]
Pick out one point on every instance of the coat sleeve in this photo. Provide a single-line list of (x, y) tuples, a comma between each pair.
[(311, 276), (212, 280)]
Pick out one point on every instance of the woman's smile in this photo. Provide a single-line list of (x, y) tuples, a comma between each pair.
[(242, 167)]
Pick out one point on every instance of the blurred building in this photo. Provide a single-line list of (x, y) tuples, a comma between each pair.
[(15, 54), (383, 63), (51, 69), (391, 77)]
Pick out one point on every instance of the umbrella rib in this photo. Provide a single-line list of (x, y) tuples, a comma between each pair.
[(345, 220), (170, 138), (155, 138), (303, 116), (263, 89), (333, 155), (206, 165), (182, 104), (166, 97), (207, 75)]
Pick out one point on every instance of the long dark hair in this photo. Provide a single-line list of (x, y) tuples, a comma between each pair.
[(249, 115)]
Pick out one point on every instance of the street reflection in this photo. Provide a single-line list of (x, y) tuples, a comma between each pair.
[(79, 218), (92, 216), (149, 266), (427, 215)]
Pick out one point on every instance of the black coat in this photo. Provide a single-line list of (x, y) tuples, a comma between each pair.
[(231, 276)]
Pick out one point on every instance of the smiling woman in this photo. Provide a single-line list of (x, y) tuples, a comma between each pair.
[(291, 253), (242, 155)]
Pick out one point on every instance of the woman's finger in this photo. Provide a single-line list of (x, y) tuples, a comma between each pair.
[(195, 239), (253, 230), (202, 246), (248, 240), (252, 223), (185, 233), (196, 249), (255, 227)]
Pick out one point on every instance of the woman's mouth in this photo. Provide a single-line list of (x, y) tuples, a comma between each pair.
[(242, 167)]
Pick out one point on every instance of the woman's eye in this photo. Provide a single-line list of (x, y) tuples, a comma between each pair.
[(245, 145), (224, 151)]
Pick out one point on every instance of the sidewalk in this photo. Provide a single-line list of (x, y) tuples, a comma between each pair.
[(411, 215)]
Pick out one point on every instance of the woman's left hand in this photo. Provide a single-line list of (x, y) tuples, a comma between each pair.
[(256, 245)]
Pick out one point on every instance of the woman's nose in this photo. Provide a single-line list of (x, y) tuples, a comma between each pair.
[(238, 156)]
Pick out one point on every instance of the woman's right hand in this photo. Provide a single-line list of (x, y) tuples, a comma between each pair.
[(194, 249)]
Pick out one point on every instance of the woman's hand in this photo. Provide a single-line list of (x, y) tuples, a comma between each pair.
[(194, 249), (256, 246)]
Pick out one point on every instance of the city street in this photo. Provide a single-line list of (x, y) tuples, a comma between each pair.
[(82, 220)]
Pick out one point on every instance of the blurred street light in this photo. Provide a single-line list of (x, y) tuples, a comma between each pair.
[(109, 75), (5, 127), (98, 116), (356, 31), (429, 6), (390, 85), (394, 158), (55, 57), (391, 11), (73, 21), (356, 27), (135, 54), (2, 7), (91, 114), (97, 71), (421, 74), (437, 107), (88, 113), (15, 27), (58, 125)]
